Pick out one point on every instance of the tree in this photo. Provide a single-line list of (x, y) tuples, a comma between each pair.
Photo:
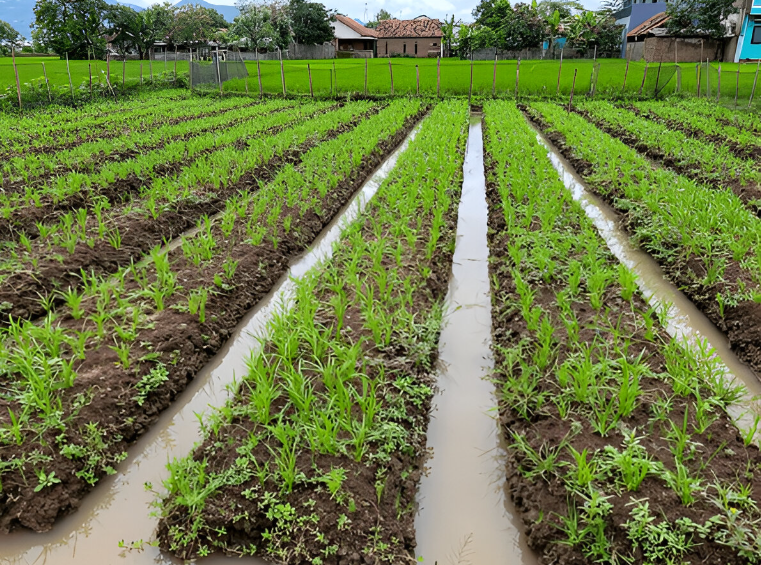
[(195, 25), (73, 27), (379, 17), (699, 17), (448, 38), (139, 30), (263, 26), (9, 37), (565, 8), (594, 29), (310, 22), (515, 27)]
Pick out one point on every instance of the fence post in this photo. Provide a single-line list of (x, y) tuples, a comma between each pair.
[(718, 84), (391, 74), (365, 77), (470, 90), (594, 59), (626, 74), (641, 86), (560, 68), (89, 69), (282, 71), (141, 74), (259, 76), (124, 70), (335, 75), (164, 62), (517, 77), (438, 78), (309, 72), (219, 74), (417, 76), (753, 90), (698, 68), (190, 68), (15, 71), (45, 74), (573, 87), (494, 77), (174, 81), (151, 55), (737, 84), (108, 67), (657, 79), (708, 79), (68, 72)]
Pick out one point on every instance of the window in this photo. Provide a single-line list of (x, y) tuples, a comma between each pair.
[(416, 48), (435, 44), (756, 37), (404, 48)]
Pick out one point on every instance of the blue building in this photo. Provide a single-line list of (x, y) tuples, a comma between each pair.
[(749, 42), (636, 12)]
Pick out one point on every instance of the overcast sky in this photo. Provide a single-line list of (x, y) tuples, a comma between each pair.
[(398, 8)]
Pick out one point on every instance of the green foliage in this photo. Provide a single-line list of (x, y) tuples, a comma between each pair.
[(310, 22), (699, 17), (71, 27), (263, 26), (9, 37)]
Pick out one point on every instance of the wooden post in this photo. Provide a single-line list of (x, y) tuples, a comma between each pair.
[(108, 68), (365, 77), (573, 87), (335, 76), (641, 86), (219, 74), (71, 86), (438, 78), (753, 90), (517, 77), (309, 72), (494, 77), (174, 81), (698, 68), (718, 84), (190, 68), (594, 59), (470, 90), (45, 74), (124, 70), (737, 84), (657, 79), (560, 68), (391, 74), (141, 73), (244, 66), (417, 76), (151, 54), (626, 74), (676, 44), (89, 69), (259, 76), (708, 79), (15, 71), (164, 62), (282, 71)]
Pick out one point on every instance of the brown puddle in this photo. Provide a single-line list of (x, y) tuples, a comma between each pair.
[(119, 507), (683, 319), (465, 515)]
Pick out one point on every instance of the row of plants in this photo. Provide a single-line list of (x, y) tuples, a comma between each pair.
[(705, 161), (316, 459), (34, 211), (742, 142), (184, 119), (62, 125), (706, 240), (37, 274), (620, 446), (81, 384), (744, 120)]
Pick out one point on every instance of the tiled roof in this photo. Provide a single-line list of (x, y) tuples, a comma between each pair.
[(649, 25), (423, 27), (354, 25)]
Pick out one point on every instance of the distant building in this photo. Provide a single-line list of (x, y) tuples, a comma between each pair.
[(749, 40), (634, 13), (420, 37), (353, 37)]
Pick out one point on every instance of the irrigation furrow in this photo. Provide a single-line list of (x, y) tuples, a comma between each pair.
[(46, 272), (149, 332)]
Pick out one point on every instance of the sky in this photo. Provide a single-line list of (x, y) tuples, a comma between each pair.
[(403, 9)]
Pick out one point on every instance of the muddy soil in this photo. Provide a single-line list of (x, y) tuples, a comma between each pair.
[(739, 323), (180, 339), (58, 269), (543, 500)]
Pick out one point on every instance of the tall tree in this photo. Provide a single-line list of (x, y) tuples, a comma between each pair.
[(699, 17), (73, 27), (139, 30), (263, 25), (515, 27), (310, 22), (565, 8), (594, 29), (9, 37), (379, 17), (195, 25)]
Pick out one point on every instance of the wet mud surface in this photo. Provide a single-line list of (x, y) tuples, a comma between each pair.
[(175, 334)]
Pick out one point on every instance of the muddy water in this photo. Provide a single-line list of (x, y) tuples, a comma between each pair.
[(119, 508), (465, 515), (684, 320)]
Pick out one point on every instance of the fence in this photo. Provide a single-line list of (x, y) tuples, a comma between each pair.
[(609, 78)]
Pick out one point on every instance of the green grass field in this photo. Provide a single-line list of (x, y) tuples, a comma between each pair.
[(537, 77)]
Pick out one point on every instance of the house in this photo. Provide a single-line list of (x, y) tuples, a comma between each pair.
[(650, 41), (351, 36), (633, 14), (420, 37), (749, 40)]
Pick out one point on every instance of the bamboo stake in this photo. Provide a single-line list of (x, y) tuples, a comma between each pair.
[(718, 84), (560, 68), (494, 77), (417, 75), (108, 67), (365, 77), (336, 76), (71, 86), (309, 72), (18, 83), (124, 70), (657, 79), (470, 91), (698, 68), (517, 77), (45, 74), (737, 84), (244, 66), (391, 74), (219, 74), (708, 79), (573, 87), (89, 68), (151, 55), (190, 68), (641, 86), (594, 59), (438, 78), (174, 80), (282, 71), (626, 74), (164, 62), (259, 76), (753, 90)]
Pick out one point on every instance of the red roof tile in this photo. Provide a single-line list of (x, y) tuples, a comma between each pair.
[(422, 27), (354, 25)]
